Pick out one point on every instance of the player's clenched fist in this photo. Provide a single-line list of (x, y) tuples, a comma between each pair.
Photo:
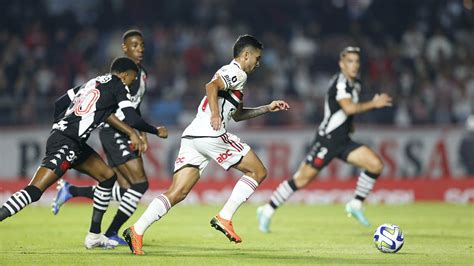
[(162, 132), (382, 100)]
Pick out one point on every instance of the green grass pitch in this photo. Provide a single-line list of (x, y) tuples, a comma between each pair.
[(435, 233)]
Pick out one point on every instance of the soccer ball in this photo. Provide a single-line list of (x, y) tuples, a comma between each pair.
[(388, 238)]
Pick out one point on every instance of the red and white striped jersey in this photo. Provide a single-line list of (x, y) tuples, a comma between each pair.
[(229, 98)]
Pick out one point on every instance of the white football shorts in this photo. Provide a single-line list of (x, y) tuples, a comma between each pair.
[(226, 150)]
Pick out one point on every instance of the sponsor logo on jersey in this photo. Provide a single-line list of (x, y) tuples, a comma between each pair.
[(227, 79), (223, 156), (179, 160)]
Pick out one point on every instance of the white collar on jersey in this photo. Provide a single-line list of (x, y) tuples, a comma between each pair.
[(236, 63)]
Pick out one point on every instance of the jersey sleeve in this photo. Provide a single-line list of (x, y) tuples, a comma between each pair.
[(63, 102), (233, 77), (71, 93), (342, 90)]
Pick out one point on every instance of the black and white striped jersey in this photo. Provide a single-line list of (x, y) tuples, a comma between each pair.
[(336, 124), (91, 104)]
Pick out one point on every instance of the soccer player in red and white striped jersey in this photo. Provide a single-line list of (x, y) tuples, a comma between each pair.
[(207, 138)]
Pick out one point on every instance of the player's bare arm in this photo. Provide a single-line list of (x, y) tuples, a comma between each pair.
[(130, 132), (379, 101), (244, 113), (212, 88)]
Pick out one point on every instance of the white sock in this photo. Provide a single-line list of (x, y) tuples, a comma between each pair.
[(244, 188), (157, 209), (356, 204), (268, 210)]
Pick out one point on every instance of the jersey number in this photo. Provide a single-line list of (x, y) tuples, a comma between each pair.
[(83, 104), (322, 153)]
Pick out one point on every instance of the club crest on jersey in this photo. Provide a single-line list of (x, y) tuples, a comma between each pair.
[(223, 156), (232, 111), (61, 125)]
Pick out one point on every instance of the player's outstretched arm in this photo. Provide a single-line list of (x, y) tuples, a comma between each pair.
[(126, 129), (379, 101), (245, 113), (134, 120)]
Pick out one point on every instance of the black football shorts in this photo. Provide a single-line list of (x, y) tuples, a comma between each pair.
[(117, 146)]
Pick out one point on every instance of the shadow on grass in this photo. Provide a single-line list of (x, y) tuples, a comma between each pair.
[(188, 253), (255, 256), (441, 236)]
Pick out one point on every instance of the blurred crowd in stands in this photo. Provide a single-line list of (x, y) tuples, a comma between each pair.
[(419, 52)]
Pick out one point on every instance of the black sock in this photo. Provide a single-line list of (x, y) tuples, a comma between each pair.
[(20, 200), (119, 219), (87, 192), (102, 195), (4, 213), (128, 205)]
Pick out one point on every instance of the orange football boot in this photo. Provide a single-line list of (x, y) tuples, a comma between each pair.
[(134, 241), (225, 226)]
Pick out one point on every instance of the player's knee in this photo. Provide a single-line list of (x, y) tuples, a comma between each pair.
[(108, 182), (105, 174), (259, 174), (376, 166), (177, 196), (262, 173), (110, 173), (34, 192), (140, 187), (301, 179), (138, 177)]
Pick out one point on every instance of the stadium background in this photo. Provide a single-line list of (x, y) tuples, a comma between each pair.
[(420, 52)]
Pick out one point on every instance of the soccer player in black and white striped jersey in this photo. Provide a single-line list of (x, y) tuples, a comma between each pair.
[(126, 163), (77, 113), (333, 140)]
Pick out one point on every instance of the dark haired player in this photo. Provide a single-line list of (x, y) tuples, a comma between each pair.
[(206, 138), (78, 113), (126, 163), (332, 140)]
